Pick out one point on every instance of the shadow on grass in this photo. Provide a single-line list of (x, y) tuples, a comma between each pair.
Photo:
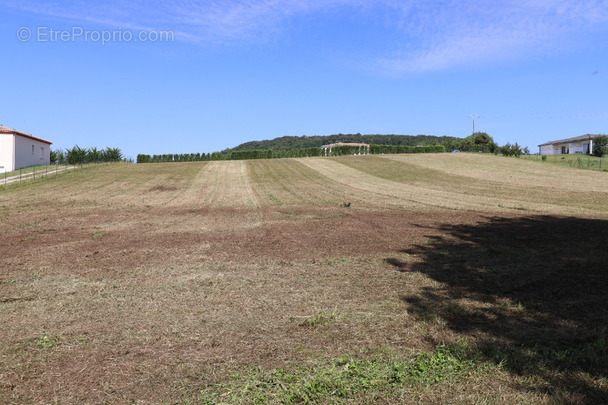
[(531, 292)]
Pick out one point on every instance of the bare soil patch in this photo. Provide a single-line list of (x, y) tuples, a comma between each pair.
[(162, 187)]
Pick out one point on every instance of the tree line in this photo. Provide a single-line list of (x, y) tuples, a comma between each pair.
[(477, 142), (339, 150), (78, 155)]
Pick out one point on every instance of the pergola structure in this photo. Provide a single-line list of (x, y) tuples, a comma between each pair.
[(363, 148)]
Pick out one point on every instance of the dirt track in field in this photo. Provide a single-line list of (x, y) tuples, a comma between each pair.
[(156, 280)]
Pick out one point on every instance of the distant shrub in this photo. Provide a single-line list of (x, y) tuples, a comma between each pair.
[(511, 150), (544, 158)]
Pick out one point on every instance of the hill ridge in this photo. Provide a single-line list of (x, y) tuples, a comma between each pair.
[(304, 141)]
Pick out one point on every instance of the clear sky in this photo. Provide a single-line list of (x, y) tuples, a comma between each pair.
[(190, 76)]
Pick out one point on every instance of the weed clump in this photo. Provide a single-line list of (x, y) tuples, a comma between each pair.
[(45, 341)]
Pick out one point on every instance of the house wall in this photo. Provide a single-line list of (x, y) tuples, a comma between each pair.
[(575, 147), (549, 150), (6, 152), (26, 156)]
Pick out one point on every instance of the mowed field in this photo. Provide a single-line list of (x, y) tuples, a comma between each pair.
[(450, 278)]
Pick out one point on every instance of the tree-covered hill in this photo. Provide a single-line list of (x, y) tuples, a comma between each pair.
[(301, 142)]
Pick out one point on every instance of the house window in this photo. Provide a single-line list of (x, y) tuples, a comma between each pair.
[(32, 149), (41, 153)]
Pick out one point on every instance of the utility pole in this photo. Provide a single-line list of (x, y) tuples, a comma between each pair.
[(474, 116)]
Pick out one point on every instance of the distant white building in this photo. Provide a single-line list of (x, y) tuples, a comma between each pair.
[(19, 150), (578, 144)]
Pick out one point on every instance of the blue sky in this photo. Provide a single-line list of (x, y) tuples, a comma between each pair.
[(214, 74)]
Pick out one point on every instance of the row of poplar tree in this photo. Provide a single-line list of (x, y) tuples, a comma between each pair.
[(339, 150)]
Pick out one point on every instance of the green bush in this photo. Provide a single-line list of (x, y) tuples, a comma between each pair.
[(600, 145), (511, 150), (477, 142)]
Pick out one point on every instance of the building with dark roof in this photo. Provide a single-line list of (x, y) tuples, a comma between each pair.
[(578, 144)]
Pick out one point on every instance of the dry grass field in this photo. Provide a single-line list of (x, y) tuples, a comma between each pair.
[(450, 278)]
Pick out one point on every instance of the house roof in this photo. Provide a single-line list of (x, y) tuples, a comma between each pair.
[(5, 130), (585, 137)]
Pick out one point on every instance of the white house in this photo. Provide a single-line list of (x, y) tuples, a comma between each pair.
[(578, 144), (18, 150)]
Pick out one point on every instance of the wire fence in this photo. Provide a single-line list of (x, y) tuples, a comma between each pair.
[(35, 173), (586, 162)]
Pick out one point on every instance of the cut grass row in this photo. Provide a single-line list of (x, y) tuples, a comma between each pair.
[(496, 181)]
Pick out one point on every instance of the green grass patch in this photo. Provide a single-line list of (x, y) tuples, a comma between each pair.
[(322, 318), (98, 235), (45, 341), (345, 379), (578, 161)]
